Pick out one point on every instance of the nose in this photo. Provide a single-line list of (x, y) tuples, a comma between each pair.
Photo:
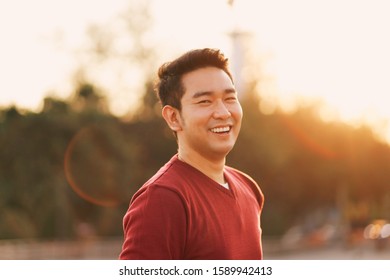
[(221, 111)]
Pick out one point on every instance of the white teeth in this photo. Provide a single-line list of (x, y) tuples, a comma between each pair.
[(221, 129)]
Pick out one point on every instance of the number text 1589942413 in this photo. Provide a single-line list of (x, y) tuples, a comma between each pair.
[(237, 270)]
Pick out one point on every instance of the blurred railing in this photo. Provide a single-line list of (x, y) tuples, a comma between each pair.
[(91, 249), (109, 249), (94, 248)]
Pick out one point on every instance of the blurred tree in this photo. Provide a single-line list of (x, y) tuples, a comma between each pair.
[(102, 153), (119, 56), (30, 151), (88, 98), (301, 163), (53, 105)]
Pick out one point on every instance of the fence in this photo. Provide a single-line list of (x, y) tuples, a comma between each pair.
[(94, 248)]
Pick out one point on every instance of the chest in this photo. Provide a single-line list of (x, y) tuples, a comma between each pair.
[(222, 224)]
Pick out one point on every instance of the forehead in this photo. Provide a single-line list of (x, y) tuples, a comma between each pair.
[(209, 79)]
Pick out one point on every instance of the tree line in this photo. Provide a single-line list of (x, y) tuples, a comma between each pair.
[(70, 170)]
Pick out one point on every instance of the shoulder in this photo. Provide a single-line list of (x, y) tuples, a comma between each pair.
[(168, 181), (164, 176), (239, 174), (247, 180)]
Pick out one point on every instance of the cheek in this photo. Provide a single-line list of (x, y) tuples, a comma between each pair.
[(195, 117), (236, 112)]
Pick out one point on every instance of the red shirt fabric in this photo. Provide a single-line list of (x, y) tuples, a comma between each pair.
[(180, 213)]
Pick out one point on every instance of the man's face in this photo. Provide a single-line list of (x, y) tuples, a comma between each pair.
[(211, 113)]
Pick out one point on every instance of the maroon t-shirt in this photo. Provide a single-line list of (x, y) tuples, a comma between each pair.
[(180, 213)]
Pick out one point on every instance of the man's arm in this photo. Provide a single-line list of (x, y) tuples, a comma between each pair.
[(155, 226)]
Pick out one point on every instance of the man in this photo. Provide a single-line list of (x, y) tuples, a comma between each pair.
[(196, 207)]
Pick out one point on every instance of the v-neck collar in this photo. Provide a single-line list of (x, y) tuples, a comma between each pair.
[(230, 192)]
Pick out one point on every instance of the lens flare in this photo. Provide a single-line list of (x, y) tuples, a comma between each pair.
[(94, 167), (307, 141)]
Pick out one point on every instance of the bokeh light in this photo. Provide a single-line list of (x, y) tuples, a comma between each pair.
[(93, 168)]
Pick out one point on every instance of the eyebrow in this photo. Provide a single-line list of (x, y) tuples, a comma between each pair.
[(208, 93)]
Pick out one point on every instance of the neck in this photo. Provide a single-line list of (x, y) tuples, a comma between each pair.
[(213, 168)]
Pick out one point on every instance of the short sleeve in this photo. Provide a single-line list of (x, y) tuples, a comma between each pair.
[(155, 225)]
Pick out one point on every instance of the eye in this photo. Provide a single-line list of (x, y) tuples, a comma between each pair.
[(231, 99), (205, 101)]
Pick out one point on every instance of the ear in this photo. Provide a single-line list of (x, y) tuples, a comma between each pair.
[(172, 117)]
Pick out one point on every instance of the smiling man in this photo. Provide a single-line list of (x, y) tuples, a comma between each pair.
[(196, 207)]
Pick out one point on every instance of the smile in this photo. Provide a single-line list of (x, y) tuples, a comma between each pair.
[(223, 129)]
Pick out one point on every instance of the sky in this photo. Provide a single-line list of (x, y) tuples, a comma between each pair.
[(335, 52)]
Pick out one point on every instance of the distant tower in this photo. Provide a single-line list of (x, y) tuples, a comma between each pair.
[(238, 59), (238, 56)]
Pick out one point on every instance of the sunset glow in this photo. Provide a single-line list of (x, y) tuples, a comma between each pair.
[(330, 52)]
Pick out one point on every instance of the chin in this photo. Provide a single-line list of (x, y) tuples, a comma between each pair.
[(223, 152)]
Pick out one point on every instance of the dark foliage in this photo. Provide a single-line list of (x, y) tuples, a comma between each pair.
[(70, 170)]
